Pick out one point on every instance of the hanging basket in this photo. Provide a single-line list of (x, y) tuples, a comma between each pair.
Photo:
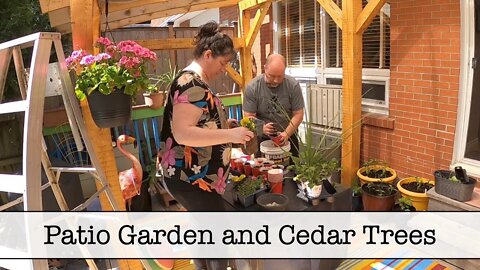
[(112, 110)]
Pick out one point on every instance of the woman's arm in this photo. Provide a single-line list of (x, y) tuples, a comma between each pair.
[(184, 129)]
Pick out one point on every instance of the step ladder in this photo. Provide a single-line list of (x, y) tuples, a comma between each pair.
[(32, 87)]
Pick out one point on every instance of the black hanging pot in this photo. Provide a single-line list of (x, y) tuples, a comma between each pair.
[(112, 110)]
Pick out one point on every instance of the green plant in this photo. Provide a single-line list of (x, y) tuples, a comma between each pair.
[(121, 66), (371, 166), (151, 170), (249, 185), (405, 203), (381, 188), (163, 81)]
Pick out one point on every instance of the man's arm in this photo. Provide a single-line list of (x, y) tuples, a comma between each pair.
[(295, 121)]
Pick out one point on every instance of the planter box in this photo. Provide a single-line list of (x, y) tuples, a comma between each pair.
[(249, 200), (457, 191)]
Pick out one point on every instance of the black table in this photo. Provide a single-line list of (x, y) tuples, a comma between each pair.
[(340, 201)]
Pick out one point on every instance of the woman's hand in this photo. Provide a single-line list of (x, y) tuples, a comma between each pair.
[(232, 123), (241, 135)]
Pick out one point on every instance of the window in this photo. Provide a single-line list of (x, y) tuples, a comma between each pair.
[(299, 35), (312, 43)]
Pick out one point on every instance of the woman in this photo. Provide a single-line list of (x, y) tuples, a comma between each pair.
[(196, 140)]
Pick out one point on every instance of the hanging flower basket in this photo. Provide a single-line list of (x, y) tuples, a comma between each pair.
[(112, 110)]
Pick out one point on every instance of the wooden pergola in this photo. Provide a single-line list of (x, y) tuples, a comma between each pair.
[(85, 19)]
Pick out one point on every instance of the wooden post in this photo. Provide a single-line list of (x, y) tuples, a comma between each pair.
[(173, 52), (245, 53), (352, 90), (85, 16)]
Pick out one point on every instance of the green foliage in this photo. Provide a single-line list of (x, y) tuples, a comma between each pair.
[(372, 164), (117, 66), (405, 203), (163, 81), (249, 185), (20, 18), (381, 188)]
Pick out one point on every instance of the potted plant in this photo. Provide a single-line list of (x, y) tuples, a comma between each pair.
[(455, 185), (247, 189), (376, 171), (378, 196), (415, 188), (357, 204), (154, 96), (112, 77), (313, 167), (404, 205), (250, 147)]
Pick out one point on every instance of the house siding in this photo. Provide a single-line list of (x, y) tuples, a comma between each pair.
[(424, 86)]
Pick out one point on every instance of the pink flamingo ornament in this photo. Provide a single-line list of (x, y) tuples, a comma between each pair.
[(131, 179)]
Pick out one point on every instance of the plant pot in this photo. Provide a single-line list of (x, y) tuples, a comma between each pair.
[(357, 204), (112, 110), (249, 200), (154, 100), (250, 147), (310, 192), (365, 179), (419, 199), (373, 201), (454, 190)]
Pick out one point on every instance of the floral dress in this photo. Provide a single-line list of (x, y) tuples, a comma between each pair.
[(205, 167)]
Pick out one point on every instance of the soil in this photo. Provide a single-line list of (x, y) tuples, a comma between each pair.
[(377, 174), (379, 189), (417, 187)]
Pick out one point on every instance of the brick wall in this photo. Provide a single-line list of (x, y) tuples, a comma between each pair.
[(425, 66)]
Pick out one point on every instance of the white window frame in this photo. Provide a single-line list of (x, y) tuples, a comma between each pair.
[(321, 73), (467, 47)]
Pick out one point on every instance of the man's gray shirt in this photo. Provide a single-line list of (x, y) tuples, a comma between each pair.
[(264, 101)]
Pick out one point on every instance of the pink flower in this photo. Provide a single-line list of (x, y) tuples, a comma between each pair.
[(87, 60), (102, 56), (219, 184), (168, 155), (104, 41)]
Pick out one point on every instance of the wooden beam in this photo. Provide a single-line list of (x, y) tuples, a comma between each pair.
[(257, 23), (368, 14), (5, 57), (59, 16), (249, 4), (160, 10), (49, 5), (245, 53), (236, 77), (177, 43), (352, 91), (333, 10), (86, 30)]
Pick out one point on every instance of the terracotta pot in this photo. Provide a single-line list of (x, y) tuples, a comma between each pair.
[(154, 100), (375, 202), (419, 200)]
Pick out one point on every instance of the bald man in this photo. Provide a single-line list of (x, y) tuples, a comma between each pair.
[(266, 92)]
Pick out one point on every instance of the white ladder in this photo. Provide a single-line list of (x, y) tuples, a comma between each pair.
[(33, 95)]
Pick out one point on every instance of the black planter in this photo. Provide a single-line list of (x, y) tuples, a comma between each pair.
[(112, 110), (357, 204), (458, 191)]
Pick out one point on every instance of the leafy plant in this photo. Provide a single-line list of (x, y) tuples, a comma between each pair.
[(405, 204), (249, 186), (163, 81), (115, 67), (381, 188)]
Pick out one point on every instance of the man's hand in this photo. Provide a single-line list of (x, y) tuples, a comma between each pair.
[(269, 129)]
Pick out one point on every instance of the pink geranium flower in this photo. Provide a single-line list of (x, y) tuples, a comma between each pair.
[(168, 155)]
